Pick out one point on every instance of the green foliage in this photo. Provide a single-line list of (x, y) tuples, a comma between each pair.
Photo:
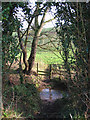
[(9, 24), (11, 51), (29, 100), (25, 96), (10, 114), (66, 109), (71, 28)]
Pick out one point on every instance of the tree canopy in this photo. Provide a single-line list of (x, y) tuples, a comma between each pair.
[(70, 39)]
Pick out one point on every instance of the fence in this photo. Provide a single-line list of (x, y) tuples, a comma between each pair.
[(46, 73), (53, 69)]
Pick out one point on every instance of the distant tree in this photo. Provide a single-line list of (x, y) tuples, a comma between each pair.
[(40, 9), (15, 24)]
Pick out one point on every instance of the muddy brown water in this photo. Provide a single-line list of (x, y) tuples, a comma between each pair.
[(52, 94)]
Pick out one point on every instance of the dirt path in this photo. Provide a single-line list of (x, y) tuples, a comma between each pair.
[(49, 110)]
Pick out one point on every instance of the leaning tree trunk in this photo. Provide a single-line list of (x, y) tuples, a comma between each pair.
[(35, 40), (33, 52), (31, 59)]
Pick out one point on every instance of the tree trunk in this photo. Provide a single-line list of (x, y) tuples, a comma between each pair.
[(33, 53), (25, 60), (24, 52), (33, 50), (35, 40)]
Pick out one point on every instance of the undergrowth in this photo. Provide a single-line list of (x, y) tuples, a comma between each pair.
[(20, 101)]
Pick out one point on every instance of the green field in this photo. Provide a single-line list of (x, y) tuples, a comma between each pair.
[(48, 57)]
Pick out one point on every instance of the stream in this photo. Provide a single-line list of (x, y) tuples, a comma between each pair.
[(50, 107), (52, 94)]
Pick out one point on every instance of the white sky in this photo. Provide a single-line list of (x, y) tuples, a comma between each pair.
[(47, 25), (48, 17)]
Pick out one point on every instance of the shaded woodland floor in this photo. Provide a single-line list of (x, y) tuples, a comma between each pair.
[(48, 109), (53, 109)]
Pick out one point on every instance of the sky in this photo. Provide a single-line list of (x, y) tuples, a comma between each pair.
[(47, 25), (49, 16)]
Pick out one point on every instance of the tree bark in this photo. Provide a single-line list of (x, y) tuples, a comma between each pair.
[(24, 52), (33, 52), (35, 41)]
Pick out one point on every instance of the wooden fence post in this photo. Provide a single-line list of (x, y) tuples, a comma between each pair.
[(50, 72), (37, 68)]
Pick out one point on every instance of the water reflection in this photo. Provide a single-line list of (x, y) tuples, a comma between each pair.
[(51, 94)]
